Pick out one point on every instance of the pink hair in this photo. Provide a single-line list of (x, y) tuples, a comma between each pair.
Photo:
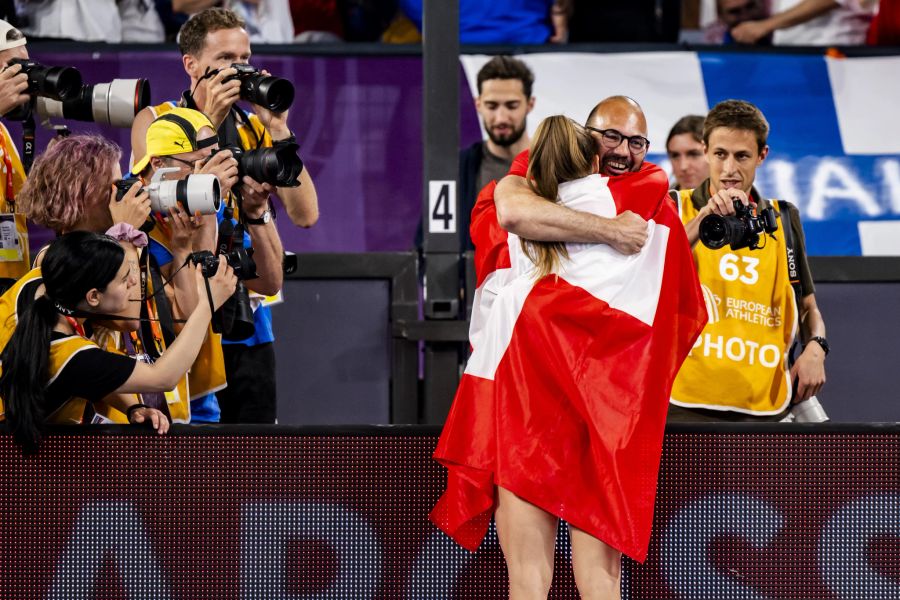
[(70, 179)]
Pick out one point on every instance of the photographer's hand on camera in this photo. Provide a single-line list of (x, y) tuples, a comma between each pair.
[(13, 87), (183, 230), (224, 166), (221, 285), (268, 251), (221, 95), (721, 203), (275, 122), (255, 197), (134, 208)]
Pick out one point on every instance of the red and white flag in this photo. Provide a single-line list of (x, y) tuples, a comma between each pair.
[(564, 399)]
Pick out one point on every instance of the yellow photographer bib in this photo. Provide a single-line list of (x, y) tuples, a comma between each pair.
[(739, 362)]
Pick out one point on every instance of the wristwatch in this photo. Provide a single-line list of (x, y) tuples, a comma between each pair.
[(262, 220), (821, 341)]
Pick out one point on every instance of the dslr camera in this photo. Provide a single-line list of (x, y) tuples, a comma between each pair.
[(59, 92), (279, 165), (234, 320), (58, 83), (198, 192), (273, 93), (739, 231)]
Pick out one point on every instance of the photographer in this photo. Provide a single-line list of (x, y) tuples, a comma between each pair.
[(184, 142), (14, 258), (739, 367), (50, 369), (211, 42), (72, 188)]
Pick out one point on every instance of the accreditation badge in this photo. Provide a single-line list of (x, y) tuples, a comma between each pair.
[(10, 244)]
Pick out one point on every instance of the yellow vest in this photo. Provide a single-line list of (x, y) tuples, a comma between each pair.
[(14, 259), (61, 352), (739, 362), (207, 374), (9, 315), (9, 307)]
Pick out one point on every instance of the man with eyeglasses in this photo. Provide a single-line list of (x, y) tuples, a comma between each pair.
[(619, 127), (184, 139)]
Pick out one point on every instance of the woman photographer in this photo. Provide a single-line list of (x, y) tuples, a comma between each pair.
[(50, 368), (71, 188)]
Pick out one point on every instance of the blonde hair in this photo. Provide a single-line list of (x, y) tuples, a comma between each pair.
[(561, 151)]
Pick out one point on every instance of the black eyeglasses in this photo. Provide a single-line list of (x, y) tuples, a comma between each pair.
[(612, 138), (189, 163)]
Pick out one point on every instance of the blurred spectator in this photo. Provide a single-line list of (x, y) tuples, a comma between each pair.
[(686, 152), (110, 21), (728, 14), (267, 21), (885, 30), (503, 21), (503, 103), (811, 23), (140, 21), (401, 31), (316, 21), (369, 20), (634, 21)]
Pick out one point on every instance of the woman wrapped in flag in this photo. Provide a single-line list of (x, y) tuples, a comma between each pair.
[(561, 410)]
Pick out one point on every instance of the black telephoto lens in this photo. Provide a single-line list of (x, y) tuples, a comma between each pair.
[(279, 166), (714, 231), (275, 93), (59, 83)]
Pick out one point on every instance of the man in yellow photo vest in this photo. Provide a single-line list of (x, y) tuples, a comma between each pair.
[(758, 297)]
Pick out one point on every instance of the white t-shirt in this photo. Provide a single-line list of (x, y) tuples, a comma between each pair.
[(141, 22), (267, 22), (82, 20), (110, 21), (845, 25)]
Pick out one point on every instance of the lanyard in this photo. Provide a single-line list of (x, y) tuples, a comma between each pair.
[(7, 163)]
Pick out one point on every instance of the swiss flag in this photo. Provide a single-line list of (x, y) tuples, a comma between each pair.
[(564, 398)]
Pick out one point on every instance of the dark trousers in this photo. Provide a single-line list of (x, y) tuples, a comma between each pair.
[(250, 395)]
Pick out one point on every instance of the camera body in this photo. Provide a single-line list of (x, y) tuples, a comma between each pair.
[(198, 192), (58, 83), (742, 230), (279, 165), (273, 93), (234, 320), (209, 262)]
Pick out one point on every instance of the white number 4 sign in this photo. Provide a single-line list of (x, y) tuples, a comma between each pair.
[(442, 207)]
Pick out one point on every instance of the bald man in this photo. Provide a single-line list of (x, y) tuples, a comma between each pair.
[(619, 127)]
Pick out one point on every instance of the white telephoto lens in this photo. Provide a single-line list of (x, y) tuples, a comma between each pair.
[(163, 195), (115, 103), (201, 194)]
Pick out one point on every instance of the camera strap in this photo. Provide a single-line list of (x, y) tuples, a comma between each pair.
[(161, 325), (28, 140), (790, 243)]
